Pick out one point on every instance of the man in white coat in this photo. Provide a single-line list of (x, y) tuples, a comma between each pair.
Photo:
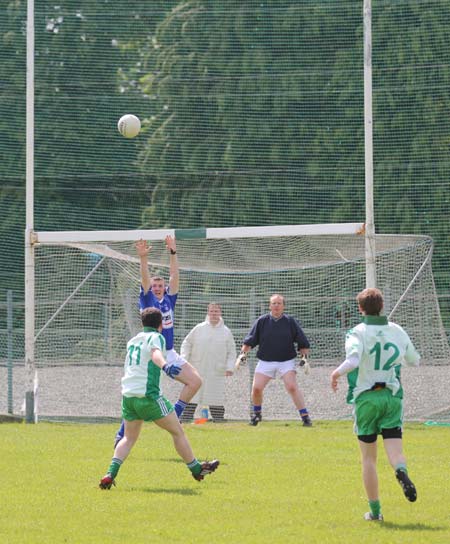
[(211, 348)]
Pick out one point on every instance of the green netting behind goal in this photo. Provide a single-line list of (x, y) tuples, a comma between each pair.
[(87, 293)]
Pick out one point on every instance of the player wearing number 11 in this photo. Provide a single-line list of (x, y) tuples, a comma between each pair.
[(142, 399), (375, 350)]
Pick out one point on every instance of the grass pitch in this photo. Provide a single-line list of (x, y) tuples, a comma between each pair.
[(277, 483)]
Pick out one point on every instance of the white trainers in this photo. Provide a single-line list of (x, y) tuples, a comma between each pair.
[(368, 516)]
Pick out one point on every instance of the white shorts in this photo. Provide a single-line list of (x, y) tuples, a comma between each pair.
[(173, 357), (270, 368)]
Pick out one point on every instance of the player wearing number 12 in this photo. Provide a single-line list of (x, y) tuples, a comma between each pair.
[(375, 350)]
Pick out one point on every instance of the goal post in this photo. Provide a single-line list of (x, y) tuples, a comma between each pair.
[(87, 287)]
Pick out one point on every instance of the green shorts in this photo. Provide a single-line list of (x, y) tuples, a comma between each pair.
[(145, 408), (377, 410)]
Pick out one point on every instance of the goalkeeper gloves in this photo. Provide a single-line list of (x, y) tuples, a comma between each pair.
[(241, 360), (171, 370), (303, 363)]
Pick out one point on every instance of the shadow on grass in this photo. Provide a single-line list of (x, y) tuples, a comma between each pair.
[(412, 526), (165, 490), (180, 461)]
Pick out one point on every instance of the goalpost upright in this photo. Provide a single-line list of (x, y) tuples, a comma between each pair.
[(371, 280), (29, 249)]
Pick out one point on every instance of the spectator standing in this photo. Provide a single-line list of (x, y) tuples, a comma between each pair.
[(211, 349)]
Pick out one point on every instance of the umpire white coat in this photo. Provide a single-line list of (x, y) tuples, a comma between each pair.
[(211, 349)]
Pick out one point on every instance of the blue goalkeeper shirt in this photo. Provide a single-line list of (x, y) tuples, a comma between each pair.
[(167, 306), (276, 338)]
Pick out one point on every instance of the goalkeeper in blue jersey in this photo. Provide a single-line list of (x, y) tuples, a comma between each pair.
[(280, 341), (375, 350), (155, 294), (142, 399)]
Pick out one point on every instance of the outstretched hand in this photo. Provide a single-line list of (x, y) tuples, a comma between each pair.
[(142, 248), (170, 243)]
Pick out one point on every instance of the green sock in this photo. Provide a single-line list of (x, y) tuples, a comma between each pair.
[(114, 467), (401, 466), (194, 466), (375, 508)]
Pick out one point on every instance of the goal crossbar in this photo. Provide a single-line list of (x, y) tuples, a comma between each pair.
[(57, 237)]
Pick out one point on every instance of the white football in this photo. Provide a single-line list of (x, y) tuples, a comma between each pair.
[(129, 125)]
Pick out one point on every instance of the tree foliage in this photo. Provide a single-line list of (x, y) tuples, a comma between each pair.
[(253, 113)]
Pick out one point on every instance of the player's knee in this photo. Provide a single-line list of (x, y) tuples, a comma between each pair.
[(195, 380), (198, 384), (291, 388), (128, 441), (178, 433), (189, 376)]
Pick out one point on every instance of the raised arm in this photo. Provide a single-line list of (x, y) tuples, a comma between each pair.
[(143, 249), (174, 280)]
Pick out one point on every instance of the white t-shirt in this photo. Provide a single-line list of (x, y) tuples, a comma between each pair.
[(141, 376), (376, 349)]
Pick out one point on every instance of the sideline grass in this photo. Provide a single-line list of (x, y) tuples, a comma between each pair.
[(277, 483)]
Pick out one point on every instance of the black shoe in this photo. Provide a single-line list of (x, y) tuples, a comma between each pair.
[(306, 421), (256, 418), (409, 489), (207, 468)]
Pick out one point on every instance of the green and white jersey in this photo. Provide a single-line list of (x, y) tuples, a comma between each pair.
[(141, 377), (380, 347)]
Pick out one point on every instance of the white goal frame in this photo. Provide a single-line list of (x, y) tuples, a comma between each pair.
[(79, 237)]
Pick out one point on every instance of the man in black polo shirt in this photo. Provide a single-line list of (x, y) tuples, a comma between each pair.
[(276, 334)]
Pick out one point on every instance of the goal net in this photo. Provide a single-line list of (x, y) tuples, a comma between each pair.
[(86, 307)]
